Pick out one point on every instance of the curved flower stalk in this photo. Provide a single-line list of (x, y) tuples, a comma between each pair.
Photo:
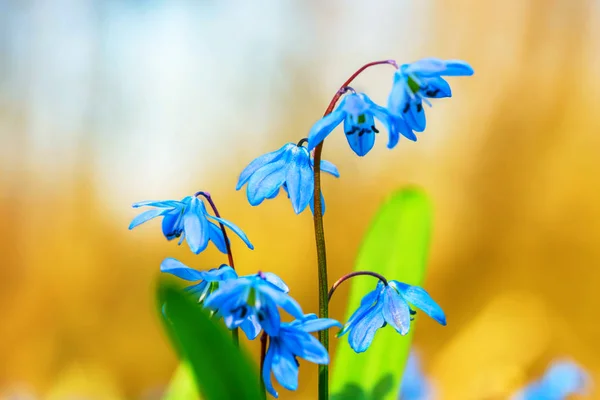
[(188, 219), (562, 379), (293, 340), (358, 112), (291, 168), (388, 304), (416, 82), (253, 297)]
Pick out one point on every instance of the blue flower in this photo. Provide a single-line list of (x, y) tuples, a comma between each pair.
[(188, 219), (210, 279), (294, 341), (562, 379), (290, 167), (358, 113), (388, 305), (416, 82), (415, 386), (254, 296)]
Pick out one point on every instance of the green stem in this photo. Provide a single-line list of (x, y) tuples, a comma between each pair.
[(320, 235)]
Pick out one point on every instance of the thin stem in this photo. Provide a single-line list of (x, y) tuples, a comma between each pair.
[(353, 274), (208, 198), (263, 352), (320, 234), (235, 334)]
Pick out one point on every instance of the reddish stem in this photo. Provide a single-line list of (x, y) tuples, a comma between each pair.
[(235, 333), (214, 208), (353, 274), (320, 234)]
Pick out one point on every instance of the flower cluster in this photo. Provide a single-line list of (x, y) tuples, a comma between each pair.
[(253, 302)]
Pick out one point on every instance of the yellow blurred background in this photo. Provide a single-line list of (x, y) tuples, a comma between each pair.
[(104, 103)]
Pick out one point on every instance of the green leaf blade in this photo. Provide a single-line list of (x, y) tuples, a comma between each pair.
[(220, 369), (396, 246)]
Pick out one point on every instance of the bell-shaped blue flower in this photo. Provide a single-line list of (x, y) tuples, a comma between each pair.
[(210, 279), (188, 219), (359, 112), (563, 378), (416, 82), (294, 341), (254, 296), (388, 304), (415, 386), (290, 167)]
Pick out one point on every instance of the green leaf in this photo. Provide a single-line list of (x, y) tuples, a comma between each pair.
[(220, 369), (396, 246), (182, 385)]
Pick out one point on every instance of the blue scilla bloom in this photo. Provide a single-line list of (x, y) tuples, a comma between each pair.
[(290, 167), (416, 82), (388, 304), (358, 113), (210, 279), (188, 219), (254, 296), (292, 341), (563, 378), (415, 386)]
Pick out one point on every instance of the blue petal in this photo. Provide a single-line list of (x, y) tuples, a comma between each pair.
[(223, 273), (415, 115), (428, 67), (366, 304), (228, 290), (401, 128), (317, 324), (421, 299), (458, 68), (201, 290), (285, 368), (180, 270), (396, 311), (235, 230), (277, 281), (158, 203), (381, 113), (267, 365), (362, 333), (216, 236), (360, 141), (267, 180), (197, 288), (268, 315), (260, 162), (425, 67), (397, 96), (251, 326), (171, 223), (195, 225), (328, 167), (565, 378), (309, 348), (322, 128), (146, 216), (282, 300), (299, 179), (274, 194), (436, 88), (414, 385)]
